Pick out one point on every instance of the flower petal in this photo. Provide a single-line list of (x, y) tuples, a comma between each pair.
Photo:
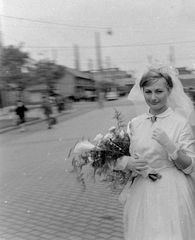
[(112, 129), (98, 138), (83, 146)]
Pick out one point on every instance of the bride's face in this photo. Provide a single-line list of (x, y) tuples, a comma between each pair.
[(156, 96)]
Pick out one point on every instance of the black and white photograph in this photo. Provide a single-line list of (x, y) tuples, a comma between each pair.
[(97, 120)]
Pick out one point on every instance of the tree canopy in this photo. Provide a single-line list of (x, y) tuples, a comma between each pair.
[(48, 72), (20, 69), (14, 61)]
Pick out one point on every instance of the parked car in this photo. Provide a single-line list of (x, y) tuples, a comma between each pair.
[(90, 95), (112, 95)]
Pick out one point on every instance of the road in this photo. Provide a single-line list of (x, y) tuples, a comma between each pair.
[(40, 198)]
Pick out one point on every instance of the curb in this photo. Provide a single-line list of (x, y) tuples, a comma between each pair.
[(8, 129)]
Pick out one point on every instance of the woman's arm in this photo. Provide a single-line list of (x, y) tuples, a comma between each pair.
[(130, 163), (182, 153), (183, 162), (186, 152)]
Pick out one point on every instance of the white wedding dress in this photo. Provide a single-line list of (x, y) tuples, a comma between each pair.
[(164, 209)]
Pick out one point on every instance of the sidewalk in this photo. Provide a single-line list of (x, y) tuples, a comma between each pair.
[(8, 118), (41, 200), (35, 114)]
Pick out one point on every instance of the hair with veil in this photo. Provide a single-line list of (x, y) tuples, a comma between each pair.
[(178, 100)]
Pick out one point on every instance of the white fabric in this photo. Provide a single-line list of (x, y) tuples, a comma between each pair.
[(177, 100), (164, 209), (190, 168), (163, 139), (122, 164)]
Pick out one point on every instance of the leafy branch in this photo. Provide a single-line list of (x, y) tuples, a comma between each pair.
[(119, 118)]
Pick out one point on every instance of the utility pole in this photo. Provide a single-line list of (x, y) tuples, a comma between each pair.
[(90, 65), (99, 59), (2, 83), (55, 55), (90, 69), (108, 62), (77, 57), (98, 51), (172, 55)]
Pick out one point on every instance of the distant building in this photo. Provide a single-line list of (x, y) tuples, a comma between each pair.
[(113, 75), (74, 84), (187, 77), (107, 78), (34, 94)]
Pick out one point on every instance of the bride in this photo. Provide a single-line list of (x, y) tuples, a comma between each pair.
[(161, 139)]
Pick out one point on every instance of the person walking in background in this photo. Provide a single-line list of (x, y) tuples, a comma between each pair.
[(100, 96), (20, 111), (162, 139), (47, 108), (60, 103)]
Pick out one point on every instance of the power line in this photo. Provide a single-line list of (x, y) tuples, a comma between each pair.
[(50, 22), (28, 26), (84, 26), (60, 30), (114, 46), (138, 60)]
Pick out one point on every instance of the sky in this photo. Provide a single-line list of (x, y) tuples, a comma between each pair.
[(131, 32)]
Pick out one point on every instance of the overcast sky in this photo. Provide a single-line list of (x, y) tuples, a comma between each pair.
[(141, 29)]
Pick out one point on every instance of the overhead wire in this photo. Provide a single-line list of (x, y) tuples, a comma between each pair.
[(95, 27), (50, 22), (89, 27), (115, 46), (84, 26)]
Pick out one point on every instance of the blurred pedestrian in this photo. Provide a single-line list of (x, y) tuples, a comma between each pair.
[(101, 98), (47, 108), (20, 111), (60, 103)]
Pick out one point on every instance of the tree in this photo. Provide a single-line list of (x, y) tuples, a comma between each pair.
[(14, 64), (48, 72), (20, 69)]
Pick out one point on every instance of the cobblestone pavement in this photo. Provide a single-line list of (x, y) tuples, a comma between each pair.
[(40, 199)]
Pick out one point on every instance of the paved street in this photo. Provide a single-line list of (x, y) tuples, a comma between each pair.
[(40, 198)]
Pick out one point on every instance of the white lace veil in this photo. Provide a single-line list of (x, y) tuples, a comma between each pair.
[(178, 100)]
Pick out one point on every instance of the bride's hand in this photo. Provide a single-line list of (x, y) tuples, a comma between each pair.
[(149, 172), (140, 164), (137, 164)]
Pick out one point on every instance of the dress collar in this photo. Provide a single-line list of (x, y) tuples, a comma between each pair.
[(161, 115)]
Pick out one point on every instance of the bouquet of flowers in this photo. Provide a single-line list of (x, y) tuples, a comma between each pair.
[(102, 156)]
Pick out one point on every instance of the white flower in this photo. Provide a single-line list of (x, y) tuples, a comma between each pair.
[(83, 146), (98, 138), (112, 129), (122, 133), (90, 159), (108, 135)]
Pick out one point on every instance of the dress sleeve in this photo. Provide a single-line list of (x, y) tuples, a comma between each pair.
[(128, 128), (186, 140), (187, 145)]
